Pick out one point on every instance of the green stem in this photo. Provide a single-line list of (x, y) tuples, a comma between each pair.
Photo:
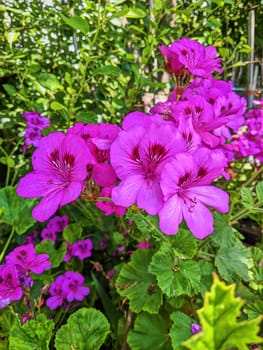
[(253, 177), (7, 244), (153, 227)]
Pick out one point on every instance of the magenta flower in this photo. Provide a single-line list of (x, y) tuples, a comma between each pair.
[(35, 124), (187, 55), (107, 206), (32, 137), (195, 328), (57, 293), (73, 286), (10, 286), (99, 138), (69, 253), (35, 120), (138, 156), (57, 223), (227, 108), (143, 245), (185, 183), (59, 171), (48, 234), (27, 257), (258, 102), (82, 249)]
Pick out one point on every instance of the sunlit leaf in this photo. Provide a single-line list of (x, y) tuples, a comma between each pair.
[(76, 22), (218, 318)]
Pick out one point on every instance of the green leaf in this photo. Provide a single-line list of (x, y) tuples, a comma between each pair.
[(234, 262), (246, 197), (56, 106), (218, 318), (135, 13), (150, 332), (223, 235), (72, 233), (254, 310), (259, 191), (7, 319), (33, 335), (16, 211), (184, 244), (148, 225), (8, 161), (86, 329), (138, 285), (10, 89), (257, 270), (207, 271), (55, 255), (76, 22), (87, 117), (175, 276), (110, 310), (181, 329), (49, 81), (107, 70)]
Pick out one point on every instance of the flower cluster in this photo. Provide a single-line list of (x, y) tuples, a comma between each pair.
[(187, 58), (35, 124), (164, 162), (80, 249), (66, 288), (55, 225), (15, 274), (248, 141)]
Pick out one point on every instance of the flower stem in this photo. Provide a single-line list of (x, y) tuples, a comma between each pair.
[(7, 244)]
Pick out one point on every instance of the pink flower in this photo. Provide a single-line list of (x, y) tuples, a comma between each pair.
[(82, 249), (35, 120), (32, 137), (138, 156), (185, 183), (59, 171), (73, 286), (27, 257), (187, 55), (98, 138), (10, 286), (57, 293), (107, 206), (143, 245)]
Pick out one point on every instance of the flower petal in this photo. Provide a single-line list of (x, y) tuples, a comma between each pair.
[(47, 206), (150, 198), (211, 196), (198, 219), (126, 193), (71, 193), (33, 185), (171, 215)]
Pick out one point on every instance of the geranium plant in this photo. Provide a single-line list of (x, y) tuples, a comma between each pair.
[(136, 242)]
